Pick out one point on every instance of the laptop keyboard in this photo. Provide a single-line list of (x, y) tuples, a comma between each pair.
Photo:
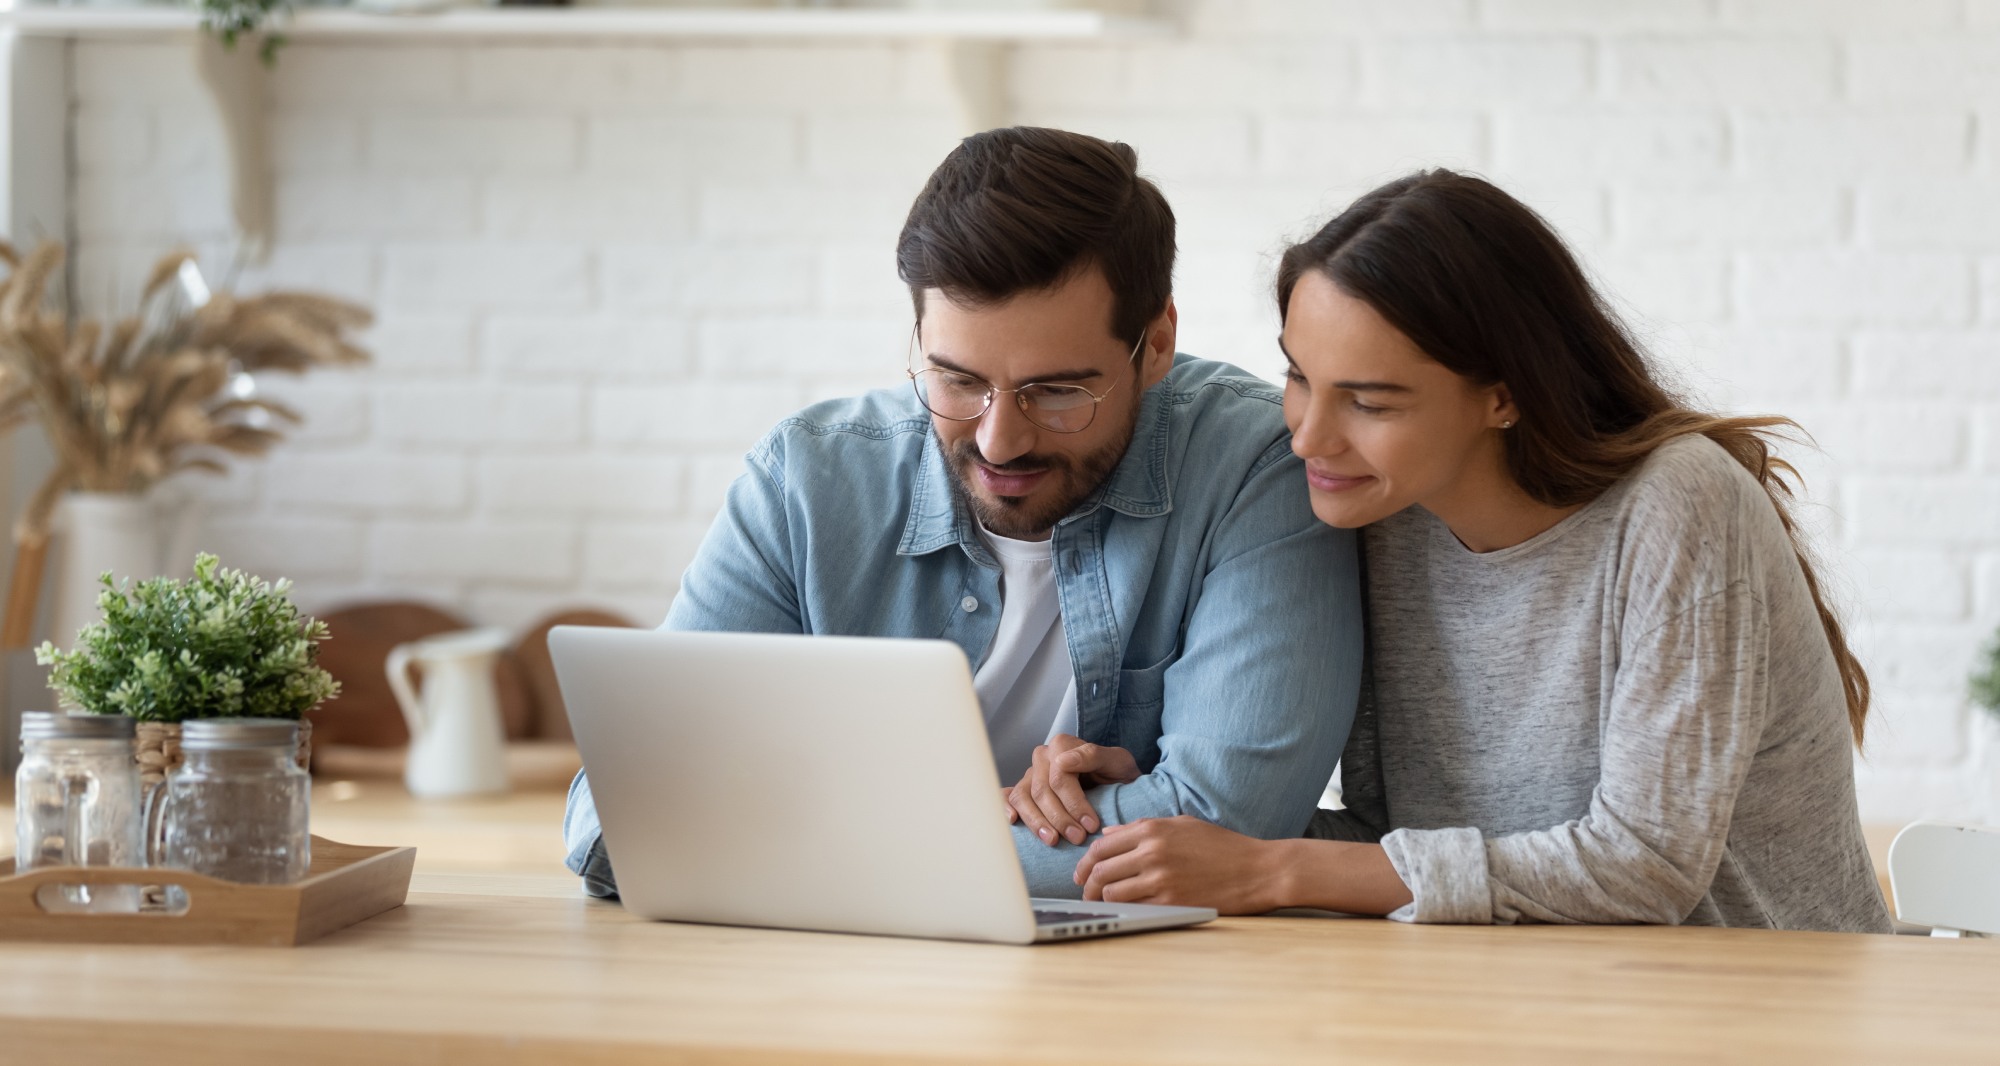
[(1059, 917)]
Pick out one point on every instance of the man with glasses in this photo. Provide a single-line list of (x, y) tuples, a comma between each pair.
[(1118, 537)]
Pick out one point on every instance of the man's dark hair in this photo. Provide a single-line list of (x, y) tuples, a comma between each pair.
[(1023, 209)]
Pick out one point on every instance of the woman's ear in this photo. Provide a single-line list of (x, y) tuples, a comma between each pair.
[(1158, 357), (1501, 412)]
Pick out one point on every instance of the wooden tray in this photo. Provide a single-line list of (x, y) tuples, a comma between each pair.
[(346, 883)]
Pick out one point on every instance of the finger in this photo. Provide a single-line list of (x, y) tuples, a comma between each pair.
[(1023, 800), (1007, 801), (1101, 851), (1106, 763), (1066, 780), (1062, 742), (1056, 812), (1067, 788), (1136, 890), (1104, 873), (1108, 876), (1037, 783), (1031, 815), (1080, 759)]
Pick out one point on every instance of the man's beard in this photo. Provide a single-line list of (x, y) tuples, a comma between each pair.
[(1030, 517)]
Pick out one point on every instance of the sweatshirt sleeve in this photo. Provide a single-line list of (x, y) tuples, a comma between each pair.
[(1685, 719)]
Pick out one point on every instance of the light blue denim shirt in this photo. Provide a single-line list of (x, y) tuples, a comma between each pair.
[(1214, 624)]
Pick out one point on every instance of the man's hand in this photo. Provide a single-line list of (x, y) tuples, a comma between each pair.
[(1049, 799), (1186, 862)]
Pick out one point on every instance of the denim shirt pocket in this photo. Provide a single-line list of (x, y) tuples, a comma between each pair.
[(1142, 696)]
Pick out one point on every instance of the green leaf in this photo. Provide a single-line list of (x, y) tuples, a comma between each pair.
[(220, 644), (1986, 682), (230, 19)]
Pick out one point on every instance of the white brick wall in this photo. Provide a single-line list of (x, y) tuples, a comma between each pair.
[(602, 271)]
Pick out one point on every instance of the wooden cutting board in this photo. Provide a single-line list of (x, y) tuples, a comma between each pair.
[(539, 670), (356, 653)]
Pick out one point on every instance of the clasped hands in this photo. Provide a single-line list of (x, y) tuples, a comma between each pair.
[(1180, 860)]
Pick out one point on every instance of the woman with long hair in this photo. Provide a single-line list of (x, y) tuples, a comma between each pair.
[(1605, 682)]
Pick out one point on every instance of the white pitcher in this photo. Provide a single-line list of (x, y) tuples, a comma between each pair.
[(457, 746)]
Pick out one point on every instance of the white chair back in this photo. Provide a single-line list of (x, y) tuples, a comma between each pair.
[(1947, 877)]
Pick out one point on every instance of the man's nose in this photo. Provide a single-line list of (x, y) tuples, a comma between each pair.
[(1005, 434)]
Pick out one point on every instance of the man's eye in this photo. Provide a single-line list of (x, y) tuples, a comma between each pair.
[(1055, 397)]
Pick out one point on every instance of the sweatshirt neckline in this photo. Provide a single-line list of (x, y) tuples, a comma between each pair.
[(1533, 545)]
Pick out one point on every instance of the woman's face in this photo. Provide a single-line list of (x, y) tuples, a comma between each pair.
[(1380, 424)]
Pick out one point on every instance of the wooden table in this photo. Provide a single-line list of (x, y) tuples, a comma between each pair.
[(514, 832), (497, 960), (504, 969)]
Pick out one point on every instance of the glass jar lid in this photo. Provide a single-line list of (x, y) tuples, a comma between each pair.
[(224, 734), (46, 725)]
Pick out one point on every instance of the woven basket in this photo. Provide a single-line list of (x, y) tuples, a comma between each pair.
[(160, 749)]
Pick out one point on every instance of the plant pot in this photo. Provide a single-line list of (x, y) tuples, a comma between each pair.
[(101, 531), (159, 750)]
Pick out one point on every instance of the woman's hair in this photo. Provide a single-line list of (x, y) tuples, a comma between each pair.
[(1481, 284)]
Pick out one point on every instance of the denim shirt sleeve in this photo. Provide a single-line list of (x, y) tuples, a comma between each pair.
[(584, 840), (740, 581), (1364, 814), (1259, 704)]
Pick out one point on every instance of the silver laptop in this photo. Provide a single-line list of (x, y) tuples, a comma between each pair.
[(841, 784)]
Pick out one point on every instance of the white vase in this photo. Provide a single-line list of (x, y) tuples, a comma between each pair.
[(100, 531)]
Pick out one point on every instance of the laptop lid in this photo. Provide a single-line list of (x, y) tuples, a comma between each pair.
[(828, 783)]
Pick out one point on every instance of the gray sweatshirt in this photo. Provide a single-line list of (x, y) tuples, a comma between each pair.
[(1632, 717)]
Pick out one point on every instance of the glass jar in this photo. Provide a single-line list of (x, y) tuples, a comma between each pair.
[(76, 803), (237, 807)]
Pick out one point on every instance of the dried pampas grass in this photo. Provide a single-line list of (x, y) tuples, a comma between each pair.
[(154, 394)]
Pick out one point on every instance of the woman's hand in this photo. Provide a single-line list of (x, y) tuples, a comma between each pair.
[(1184, 861), (1189, 862), (1049, 798)]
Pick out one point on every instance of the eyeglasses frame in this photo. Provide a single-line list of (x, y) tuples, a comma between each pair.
[(992, 390)]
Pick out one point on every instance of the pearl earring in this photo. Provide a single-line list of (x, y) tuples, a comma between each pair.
[(1509, 424)]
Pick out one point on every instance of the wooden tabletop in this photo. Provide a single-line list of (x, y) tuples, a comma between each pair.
[(504, 969), (497, 960)]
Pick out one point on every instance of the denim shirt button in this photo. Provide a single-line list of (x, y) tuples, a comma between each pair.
[(968, 604)]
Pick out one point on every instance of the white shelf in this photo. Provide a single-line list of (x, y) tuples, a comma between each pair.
[(974, 43), (594, 22)]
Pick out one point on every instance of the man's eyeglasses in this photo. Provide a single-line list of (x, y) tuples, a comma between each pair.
[(963, 398)]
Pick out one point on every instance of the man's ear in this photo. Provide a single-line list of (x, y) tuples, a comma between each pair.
[(1158, 356)]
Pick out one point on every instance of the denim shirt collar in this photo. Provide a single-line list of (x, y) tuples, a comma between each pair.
[(1137, 486)]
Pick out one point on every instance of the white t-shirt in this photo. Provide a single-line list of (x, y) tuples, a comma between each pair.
[(1026, 686)]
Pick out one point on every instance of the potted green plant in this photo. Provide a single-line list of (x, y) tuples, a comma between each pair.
[(1986, 679), (230, 19), (220, 644)]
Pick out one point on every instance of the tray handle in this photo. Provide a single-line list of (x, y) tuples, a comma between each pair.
[(20, 893)]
